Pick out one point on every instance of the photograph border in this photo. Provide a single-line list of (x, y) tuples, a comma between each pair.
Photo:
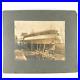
[(70, 18)]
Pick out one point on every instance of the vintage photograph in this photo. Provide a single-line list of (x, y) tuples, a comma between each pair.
[(39, 40)]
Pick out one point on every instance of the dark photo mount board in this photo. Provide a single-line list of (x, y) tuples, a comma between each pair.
[(10, 65)]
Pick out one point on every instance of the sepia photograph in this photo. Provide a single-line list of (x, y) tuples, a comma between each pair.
[(39, 40)]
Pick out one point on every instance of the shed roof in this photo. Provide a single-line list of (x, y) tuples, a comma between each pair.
[(25, 35)]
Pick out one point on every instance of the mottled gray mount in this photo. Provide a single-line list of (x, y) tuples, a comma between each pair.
[(10, 65)]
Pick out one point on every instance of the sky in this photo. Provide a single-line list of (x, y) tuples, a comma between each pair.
[(37, 26)]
